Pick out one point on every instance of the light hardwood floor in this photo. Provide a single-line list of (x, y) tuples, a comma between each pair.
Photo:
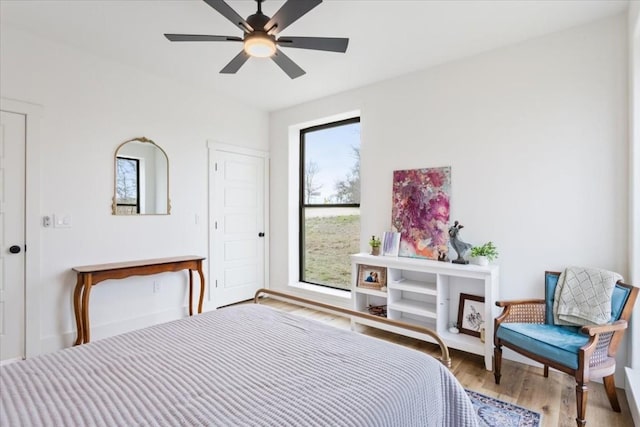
[(521, 384)]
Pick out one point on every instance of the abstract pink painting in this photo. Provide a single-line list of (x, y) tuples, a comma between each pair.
[(420, 211)]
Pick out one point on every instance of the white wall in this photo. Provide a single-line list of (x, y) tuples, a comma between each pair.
[(535, 133), (634, 158), (633, 374), (90, 106)]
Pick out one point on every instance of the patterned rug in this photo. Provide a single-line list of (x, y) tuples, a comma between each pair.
[(496, 413)]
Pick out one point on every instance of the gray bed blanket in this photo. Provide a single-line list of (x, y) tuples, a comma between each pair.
[(248, 365)]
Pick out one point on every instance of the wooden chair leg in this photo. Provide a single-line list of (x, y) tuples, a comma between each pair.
[(497, 362), (581, 404), (610, 388), (546, 371)]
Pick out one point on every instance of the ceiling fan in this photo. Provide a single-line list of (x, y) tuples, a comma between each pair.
[(260, 33)]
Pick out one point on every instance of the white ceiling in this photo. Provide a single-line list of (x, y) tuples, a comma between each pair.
[(388, 38)]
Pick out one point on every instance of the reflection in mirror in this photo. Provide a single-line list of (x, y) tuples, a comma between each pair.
[(141, 179)]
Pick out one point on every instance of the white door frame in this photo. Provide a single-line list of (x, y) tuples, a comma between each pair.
[(33, 115), (212, 147)]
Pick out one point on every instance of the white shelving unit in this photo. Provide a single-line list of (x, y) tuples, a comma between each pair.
[(427, 293)]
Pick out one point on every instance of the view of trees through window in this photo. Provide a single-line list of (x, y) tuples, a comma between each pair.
[(127, 189), (329, 202)]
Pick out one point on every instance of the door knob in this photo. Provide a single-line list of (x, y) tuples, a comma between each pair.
[(15, 249), (261, 234)]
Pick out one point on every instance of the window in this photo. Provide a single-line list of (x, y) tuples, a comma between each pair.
[(329, 202), (127, 186)]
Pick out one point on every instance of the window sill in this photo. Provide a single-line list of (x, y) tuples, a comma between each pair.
[(340, 293)]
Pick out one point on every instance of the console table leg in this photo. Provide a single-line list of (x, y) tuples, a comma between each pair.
[(77, 308), (190, 292), (85, 309), (201, 273)]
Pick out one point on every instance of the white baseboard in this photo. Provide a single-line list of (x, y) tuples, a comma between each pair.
[(57, 342), (10, 361), (633, 393)]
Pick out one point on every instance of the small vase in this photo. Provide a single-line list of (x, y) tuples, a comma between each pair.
[(375, 250), (482, 260)]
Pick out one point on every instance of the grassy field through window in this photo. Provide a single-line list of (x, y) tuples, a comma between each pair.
[(329, 240)]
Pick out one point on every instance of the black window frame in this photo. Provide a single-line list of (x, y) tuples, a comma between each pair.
[(301, 197), (137, 204)]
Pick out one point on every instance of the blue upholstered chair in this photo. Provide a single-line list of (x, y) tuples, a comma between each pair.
[(526, 326)]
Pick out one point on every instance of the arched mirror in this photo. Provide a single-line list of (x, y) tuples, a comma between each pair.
[(141, 179)]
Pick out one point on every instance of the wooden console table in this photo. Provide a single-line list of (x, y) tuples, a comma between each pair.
[(90, 275)]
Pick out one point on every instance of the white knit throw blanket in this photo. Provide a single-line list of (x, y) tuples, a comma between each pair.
[(583, 296)]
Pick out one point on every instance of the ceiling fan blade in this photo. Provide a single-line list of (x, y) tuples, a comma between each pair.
[(288, 66), (290, 12), (201, 38), (332, 44), (225, 10), (235, 64)]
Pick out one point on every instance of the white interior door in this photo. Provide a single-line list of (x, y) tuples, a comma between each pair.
[(238, 226), (12, 236)]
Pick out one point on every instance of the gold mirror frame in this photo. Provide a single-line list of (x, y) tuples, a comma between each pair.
[(114, 203)]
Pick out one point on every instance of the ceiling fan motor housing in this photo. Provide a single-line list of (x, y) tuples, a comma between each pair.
[(258, 21)]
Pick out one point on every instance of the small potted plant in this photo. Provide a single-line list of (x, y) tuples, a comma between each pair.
[(375, 243), (484, 254)]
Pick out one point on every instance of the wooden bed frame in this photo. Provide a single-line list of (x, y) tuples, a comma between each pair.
[(444, 358)]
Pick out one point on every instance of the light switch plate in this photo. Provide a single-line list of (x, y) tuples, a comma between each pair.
[(62, 221)]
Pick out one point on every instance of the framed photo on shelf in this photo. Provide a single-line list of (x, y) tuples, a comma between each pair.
[(471, 314), (372, 277)]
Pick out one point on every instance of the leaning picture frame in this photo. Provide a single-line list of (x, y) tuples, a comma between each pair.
[(372, 277), (390, 243), (471, 314)]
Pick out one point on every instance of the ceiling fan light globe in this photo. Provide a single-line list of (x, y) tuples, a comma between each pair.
[(259, 46)]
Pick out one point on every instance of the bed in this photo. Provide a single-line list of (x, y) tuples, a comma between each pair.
[(247, 365)]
